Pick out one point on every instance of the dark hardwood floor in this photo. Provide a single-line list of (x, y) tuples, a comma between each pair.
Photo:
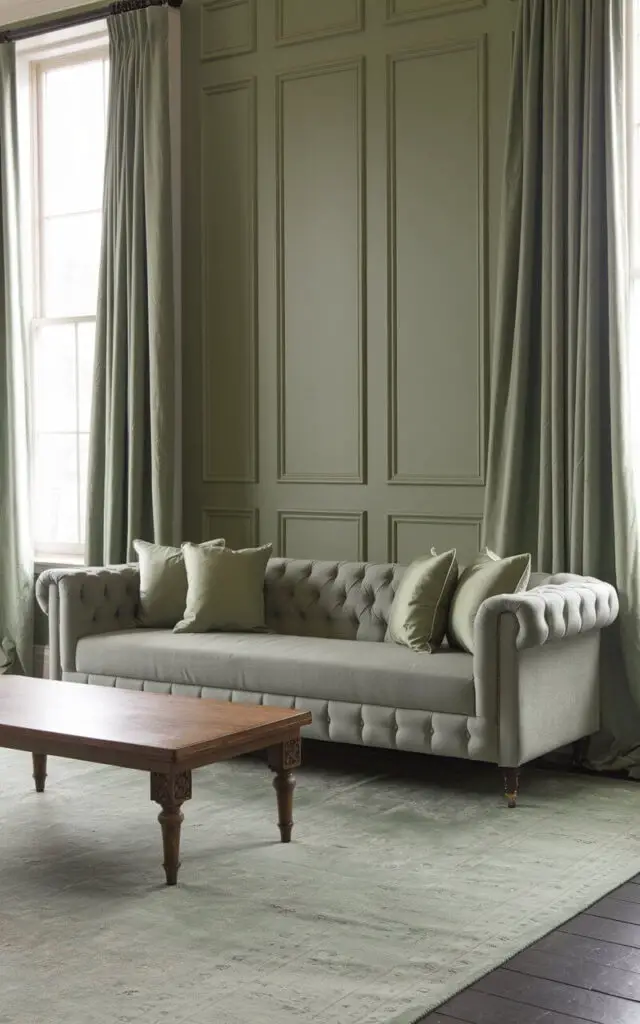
[(586, 970)]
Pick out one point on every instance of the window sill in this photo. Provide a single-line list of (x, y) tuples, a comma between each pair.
[(44, 562)]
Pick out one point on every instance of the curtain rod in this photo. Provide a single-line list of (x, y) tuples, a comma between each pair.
[(81, 18)]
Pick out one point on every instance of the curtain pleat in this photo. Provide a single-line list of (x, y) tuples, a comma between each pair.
[(561, 479), (16, 566), (132, 445)]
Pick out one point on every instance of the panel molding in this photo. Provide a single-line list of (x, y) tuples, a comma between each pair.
[(213, 6), (283, 475), (396, 519), (431, 10), (478, 46), (248, 515), (282, 39), (209, 474), (319, 515)]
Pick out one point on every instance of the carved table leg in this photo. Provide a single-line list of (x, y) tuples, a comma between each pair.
[(282, 759), (170, 791), (511, 782), (39, 771)]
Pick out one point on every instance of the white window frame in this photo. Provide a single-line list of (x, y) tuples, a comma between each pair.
[(34, 58)]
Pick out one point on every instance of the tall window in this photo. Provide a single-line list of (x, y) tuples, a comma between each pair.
[(634, 149), (65, 86)]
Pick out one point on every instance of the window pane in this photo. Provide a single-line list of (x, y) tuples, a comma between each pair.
[(73, 134), (71, 259), (635, 193), (56, 489), (86, 347), (54, 384), (84, 467)]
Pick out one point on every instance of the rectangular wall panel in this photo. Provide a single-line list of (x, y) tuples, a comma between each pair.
[(304, 20), (238, 526), (408, 10), (411, 536), (320, 274), (437, 266), (330, 536), (228, 28), (229, 283)]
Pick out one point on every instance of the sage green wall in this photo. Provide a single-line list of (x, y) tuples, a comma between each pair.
[(342, 167)]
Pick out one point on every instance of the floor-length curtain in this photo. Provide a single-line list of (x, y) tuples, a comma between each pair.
[(132, 446), (561, 480), (16, 559)]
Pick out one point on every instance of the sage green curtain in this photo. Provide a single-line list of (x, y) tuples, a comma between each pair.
[(16, 560), (561, 477), (132, 447)]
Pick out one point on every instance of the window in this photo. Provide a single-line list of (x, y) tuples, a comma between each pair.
[(64, 102), (633, 52), (634, 150)]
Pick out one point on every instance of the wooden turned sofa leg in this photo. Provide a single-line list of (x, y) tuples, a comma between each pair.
[(511, 778)]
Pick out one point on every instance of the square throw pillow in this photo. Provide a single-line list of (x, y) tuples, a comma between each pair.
[(225, 589), (418, 616), (163, 583), (487, 576)]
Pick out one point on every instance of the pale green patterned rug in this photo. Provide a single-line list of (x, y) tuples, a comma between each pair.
[(395, 893)]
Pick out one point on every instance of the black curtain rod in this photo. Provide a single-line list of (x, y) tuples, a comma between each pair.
[(81, 18)]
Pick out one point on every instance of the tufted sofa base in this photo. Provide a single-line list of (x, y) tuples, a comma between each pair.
[(422, 732)]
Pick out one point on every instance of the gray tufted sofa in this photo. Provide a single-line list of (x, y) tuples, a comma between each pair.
[(531, 686)]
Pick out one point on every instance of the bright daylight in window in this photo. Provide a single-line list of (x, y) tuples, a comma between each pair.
[(64, 85), (634, 230)]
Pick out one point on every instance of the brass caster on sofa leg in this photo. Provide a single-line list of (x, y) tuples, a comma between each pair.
[(511, 782)]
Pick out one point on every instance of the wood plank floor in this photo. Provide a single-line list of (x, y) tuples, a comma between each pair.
[(586, 970)]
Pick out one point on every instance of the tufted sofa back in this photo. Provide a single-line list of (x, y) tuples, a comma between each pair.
[(341, 600)]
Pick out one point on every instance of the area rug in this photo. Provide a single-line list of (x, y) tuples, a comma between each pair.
[(396, 892)]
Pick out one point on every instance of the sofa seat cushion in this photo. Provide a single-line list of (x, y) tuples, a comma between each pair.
[(348, 670)]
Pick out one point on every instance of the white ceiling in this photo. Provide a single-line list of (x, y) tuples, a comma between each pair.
[(20, 10)]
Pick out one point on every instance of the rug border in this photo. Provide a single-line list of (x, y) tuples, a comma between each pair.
[(415, 1015)]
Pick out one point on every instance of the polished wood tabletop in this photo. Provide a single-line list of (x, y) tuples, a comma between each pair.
[(164, 735), (142, 726)]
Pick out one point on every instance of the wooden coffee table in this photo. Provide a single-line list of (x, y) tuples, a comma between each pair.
[(166, 736)]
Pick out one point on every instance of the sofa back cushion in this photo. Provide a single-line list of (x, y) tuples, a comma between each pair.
[(344, 600)]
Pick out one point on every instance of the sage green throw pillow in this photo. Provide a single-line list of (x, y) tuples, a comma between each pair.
[(488, 576), (418, 616), (163, 583), (225, 589)]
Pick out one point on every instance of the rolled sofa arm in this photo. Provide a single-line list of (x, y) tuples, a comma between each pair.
[(564, 605), (536, 664), (84, 601)]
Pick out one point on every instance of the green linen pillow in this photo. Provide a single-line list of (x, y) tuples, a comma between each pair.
[(418, 616), (225, 589), (163, 582), (487, 576)]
